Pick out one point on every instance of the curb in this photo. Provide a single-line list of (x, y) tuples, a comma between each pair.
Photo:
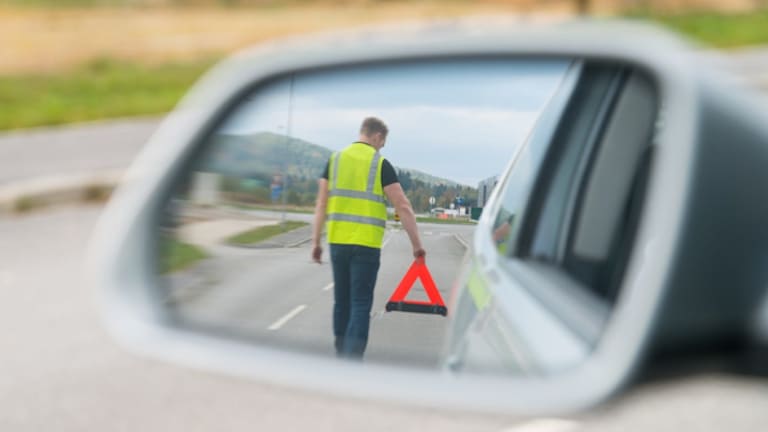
[(267, 244), (32, 194)]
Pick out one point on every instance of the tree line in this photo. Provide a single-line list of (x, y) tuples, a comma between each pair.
[(302, 191)]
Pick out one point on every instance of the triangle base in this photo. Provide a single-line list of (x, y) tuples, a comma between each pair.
[(417, 307)]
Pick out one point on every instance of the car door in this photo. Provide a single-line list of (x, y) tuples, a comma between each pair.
[(548, 257)]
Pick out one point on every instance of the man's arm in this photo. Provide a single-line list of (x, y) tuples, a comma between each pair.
[(398, 199), (317, 228)]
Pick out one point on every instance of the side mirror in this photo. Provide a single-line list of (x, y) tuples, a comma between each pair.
[(599, 193)]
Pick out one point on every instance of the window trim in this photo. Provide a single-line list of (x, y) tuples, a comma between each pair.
[(537, 199)]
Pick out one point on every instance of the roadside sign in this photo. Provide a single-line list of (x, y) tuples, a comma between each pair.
[(276, 191)]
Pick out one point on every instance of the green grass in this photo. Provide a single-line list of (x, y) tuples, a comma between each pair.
[(178, 255), (717, 29), (105, 88), (444, 221), (297, 210), (101, 89), (263, 233)]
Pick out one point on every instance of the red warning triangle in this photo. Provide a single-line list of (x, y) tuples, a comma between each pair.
[(435, 304)]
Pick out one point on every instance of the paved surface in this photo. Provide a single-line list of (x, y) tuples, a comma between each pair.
[(214, 233), (62, 372), (278, 296), (752, 64), (44, 152)]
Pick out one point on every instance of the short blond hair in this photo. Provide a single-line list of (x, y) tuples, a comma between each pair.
[(373, 125)]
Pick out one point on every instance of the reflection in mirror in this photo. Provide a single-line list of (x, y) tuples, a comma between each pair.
[(237, 233)]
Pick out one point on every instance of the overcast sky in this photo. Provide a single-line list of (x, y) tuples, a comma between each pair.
[(460, 120)]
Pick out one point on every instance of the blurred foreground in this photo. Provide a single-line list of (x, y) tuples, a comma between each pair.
[(69, 61), (44, 36)]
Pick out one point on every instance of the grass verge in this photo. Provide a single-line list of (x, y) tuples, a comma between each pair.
[(444, 221), (263, 233), (98, 90), (718, 30), (26, 204), (287, 209), (178, 255)]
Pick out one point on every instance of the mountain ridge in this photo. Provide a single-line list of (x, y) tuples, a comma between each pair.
[(263, 154)]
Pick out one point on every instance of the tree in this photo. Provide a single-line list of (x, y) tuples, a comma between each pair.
[(293, 197), (405, 180)]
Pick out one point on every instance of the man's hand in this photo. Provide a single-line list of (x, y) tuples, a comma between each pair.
[(317, 253), (419, 253)]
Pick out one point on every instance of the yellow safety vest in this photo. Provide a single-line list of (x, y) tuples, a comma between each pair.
[(356, 211)]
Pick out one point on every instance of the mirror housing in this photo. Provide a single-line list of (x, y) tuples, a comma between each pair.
[(676, 237)]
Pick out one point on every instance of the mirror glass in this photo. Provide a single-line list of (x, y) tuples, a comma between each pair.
[(458, 141)]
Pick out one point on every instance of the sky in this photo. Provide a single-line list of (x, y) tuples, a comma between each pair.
[(458, 119)]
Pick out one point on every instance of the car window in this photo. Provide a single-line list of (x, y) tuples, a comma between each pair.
[(591, 183), (606, 218), (517, 184), (570, 152)]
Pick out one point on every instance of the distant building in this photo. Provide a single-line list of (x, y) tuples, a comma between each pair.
[(484, 189)]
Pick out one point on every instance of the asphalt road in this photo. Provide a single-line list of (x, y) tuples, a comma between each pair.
[(278, 296), (62, 372), (98, 146)]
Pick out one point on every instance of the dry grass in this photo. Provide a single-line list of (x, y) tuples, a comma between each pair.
[(677, 6), (47, 40), (43, 39)]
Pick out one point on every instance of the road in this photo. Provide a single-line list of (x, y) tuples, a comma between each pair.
[(278, 296), (63, 373), (99, 146), (751, 63)]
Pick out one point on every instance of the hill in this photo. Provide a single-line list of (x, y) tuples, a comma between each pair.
[(250, 164), (264, 154)]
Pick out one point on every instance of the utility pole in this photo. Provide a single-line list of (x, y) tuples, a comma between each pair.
[(287, 140)]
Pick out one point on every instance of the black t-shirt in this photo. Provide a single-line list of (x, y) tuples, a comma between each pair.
[(388, 174)]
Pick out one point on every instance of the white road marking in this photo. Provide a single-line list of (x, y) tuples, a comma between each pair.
[(289, 316), (545, 425), (328, 287), (461, 240), (386, 241), (427, 232)]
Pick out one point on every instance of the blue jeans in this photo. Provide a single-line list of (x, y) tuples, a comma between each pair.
[(354, 277)]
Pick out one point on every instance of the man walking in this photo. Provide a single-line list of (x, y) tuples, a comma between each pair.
[(351, 194)]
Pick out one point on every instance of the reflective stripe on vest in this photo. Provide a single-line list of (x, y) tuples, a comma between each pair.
[(356, 211)]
